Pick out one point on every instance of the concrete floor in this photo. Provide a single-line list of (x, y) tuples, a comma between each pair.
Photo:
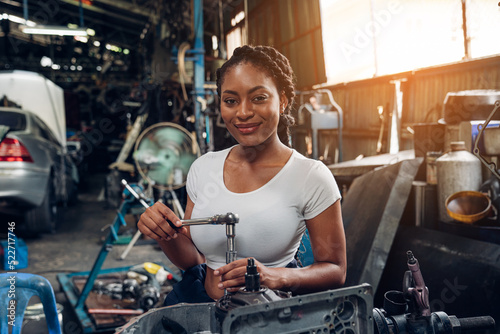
[(77, 243)]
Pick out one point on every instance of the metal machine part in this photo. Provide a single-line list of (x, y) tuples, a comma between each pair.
[(163, 154), (409, 312), (436, 323), (114, 290), (148, 296), (328, 116), (230, 219), (344, 310), (255, 309), (490, 165), (469, 105), (252, 293), (414, 286), (252, 277), (130, 288)]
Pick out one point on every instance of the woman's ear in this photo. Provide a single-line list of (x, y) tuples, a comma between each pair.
[(283, 102)]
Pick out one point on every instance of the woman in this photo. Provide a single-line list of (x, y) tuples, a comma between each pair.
[(275, 191)]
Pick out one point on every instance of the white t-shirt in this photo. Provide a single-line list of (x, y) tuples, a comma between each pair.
[(271, 218)]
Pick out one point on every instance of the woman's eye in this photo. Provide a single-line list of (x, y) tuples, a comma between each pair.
[(260, 98), (230, 101)]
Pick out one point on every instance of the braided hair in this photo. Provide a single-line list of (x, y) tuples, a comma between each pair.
[(278, 67)]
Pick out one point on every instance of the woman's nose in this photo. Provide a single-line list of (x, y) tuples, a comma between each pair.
[(245, 111)]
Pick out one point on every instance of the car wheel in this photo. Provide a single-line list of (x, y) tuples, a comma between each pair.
[(73, 195), (44, 217)]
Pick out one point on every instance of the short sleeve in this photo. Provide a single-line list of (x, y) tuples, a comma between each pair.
[(192, 180), (320, 190)]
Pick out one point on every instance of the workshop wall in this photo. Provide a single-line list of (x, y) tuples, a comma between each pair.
[(423, 96), (294, 28)]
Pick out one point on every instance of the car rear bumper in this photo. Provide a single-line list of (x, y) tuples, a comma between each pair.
[(21, 188)]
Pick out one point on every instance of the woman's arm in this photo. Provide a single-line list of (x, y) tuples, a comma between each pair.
[(328, 271), (175, 243), (326, 232)]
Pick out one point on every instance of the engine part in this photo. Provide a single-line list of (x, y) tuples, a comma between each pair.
[(130, 288), (148, 296), (436, 323), (345, 310), (252, 293), (252, 277), (147, 293), (414, 286), (114, 290), (409, 312)]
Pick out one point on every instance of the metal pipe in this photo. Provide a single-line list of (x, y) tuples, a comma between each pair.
[(80, 11), (25, 11), (199, 70), (231, 245), (135, 194), (419, 192)]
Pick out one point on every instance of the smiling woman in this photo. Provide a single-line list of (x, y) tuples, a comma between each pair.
[(276, 192), (267, 72), (250, 110)]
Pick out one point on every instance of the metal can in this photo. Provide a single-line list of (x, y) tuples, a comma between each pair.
[(431, 167)]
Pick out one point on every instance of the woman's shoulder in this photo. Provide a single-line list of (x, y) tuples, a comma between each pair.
[(310, 168), (306, 162), (212, 157)]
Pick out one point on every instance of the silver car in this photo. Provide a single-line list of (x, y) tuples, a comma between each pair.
[(36, 173)]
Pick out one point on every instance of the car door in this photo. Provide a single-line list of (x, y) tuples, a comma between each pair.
[(57, 155)]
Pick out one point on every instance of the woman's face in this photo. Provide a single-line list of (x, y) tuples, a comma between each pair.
[(250, 105)]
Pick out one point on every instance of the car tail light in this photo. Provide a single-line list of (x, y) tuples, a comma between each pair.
[(13, 150)]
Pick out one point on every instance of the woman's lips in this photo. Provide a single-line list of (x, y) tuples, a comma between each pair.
[(247, 128)]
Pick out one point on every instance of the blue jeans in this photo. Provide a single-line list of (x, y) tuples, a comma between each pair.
[(191, 289)]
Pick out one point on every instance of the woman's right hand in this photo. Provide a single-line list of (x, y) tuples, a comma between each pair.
[(154, 223)]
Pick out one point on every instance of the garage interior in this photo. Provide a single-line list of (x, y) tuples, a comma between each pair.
[(399, 99)]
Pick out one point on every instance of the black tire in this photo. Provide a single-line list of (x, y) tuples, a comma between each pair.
[(73, 194), (44, 217)]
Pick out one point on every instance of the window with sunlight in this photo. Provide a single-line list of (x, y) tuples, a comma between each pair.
[(368, 38)]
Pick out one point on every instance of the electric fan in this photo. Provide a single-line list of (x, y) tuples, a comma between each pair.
[(163, 154)]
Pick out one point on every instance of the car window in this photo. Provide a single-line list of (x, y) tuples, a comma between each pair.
[(45, 132), (14, 120)]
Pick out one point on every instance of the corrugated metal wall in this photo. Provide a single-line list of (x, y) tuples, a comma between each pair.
[(294, 28), (423, 96)]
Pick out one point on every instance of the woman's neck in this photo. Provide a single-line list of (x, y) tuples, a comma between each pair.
[(268, 152)]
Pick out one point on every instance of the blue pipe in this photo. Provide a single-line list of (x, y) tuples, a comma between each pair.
[(25, 10), (105, 249), (199, 69), (81, 14)]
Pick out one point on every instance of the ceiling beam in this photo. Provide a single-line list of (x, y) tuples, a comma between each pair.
[(101, 22), (104, 12), (127, 6)]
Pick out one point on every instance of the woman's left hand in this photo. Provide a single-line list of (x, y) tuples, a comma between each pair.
[(232, 275)]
